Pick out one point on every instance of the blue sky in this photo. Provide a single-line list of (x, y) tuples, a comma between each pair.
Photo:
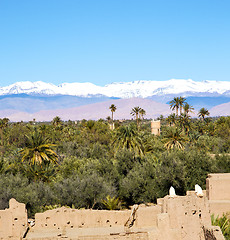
[(104, 41)]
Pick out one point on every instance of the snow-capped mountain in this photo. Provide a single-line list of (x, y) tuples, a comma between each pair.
[(141, 88)]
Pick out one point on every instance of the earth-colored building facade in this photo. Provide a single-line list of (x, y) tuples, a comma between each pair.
[(172, 218), (156, 127)]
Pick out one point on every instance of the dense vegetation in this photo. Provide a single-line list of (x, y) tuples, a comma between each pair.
[(85, 164)]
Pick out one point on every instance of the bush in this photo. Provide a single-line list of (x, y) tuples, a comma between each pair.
[(34, 194), (82, 191), (224, 224)]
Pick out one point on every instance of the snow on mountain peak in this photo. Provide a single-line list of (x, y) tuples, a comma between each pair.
[(140, 88)]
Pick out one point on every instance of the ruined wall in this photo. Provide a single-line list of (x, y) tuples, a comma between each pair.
[(218, 192), (173, 218), (74, 218), (188, 213), (13, 221)]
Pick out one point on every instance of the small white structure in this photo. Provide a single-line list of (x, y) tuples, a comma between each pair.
[(172, 192), (198, 191)]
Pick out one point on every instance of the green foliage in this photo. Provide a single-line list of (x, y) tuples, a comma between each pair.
[(171, 172), (124, 161), (127, 137), (112, 203), (197, 166), (222, 163), (135, 112), (95, 162), (38, 150), (224, 224), (50, 207), (208, 143), (113, 108), (40, 172), (140, 184), (174, 138), (82, 191), (34, 194)]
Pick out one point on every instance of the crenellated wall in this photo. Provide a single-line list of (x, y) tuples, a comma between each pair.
[(172, 218)]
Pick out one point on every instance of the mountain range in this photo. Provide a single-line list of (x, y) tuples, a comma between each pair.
[(142, 89), (43, 101)]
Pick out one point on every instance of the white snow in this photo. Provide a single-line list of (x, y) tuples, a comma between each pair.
[(142, 88)]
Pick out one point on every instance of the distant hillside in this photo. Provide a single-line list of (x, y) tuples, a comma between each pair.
[(96, 111), (34, 103), (207, 102), (220, 110)]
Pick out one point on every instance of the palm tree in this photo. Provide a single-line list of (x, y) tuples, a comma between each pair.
[(171, 119), (38, 150), (188, 108), (185, 122), (175, 104), (202, 113), (127, 137), (135, 112), (112, 203), (142, 113), (181, 103), (113, 108), (56, 121), (174, 139), (3, 124)]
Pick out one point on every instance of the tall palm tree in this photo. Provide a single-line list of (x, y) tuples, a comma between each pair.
[(3, 124), (185, 122), (142, 113), (203, 112), (38, 150), (175, 104), (135, 112), (127, 137), (188, 108), (113, 108), (181, 103), (174, 139)]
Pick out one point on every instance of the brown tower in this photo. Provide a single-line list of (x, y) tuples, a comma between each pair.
[(156, 127)]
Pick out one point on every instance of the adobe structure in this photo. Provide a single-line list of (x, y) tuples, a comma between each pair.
[(218, 193), (172, 218), (155, 127), (13, 221)]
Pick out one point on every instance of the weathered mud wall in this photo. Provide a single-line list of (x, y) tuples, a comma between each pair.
[(218, 193), (13, 221), (173, 218)]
